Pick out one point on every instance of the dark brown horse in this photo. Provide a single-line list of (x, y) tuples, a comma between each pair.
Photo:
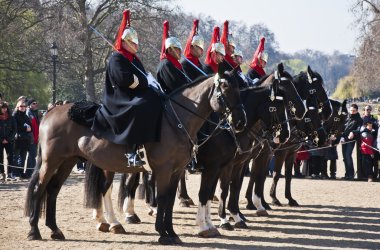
[(63, 142)]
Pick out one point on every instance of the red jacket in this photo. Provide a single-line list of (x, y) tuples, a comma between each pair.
[(367, 139)]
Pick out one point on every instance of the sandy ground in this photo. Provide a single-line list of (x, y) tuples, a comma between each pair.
[(333, 214)]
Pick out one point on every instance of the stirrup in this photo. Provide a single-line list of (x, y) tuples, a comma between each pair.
[(134, 160)]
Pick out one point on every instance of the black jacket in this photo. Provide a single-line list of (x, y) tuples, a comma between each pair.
[(353, 124), (21, 120), (170, 77), (253, 74), (8, 129), (192, 72), (128, 116)]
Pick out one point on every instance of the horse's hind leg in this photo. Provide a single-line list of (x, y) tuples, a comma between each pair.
[(183, 196), (115, 226), (131, 185), (52, 189), (289, 162)]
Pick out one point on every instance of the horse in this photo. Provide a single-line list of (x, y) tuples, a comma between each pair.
[(334, 126), (266, 121), (310, 86), (62, 142)]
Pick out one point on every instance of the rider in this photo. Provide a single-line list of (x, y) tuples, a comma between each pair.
[(215, 53), (193, 51), (229, 46), (170, 73), (131, 111), (259, 61)]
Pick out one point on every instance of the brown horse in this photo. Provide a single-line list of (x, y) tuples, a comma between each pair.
[(63, 142)]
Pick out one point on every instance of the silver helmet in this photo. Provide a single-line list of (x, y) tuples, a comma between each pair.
[(198, 41), (130, 34), (172, 42), (218, 47)]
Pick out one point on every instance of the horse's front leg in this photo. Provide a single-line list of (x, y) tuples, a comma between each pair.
[(288, 180), (183, 196), (224, 186)]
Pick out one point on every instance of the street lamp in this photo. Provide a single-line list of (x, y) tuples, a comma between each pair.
[(54, 57)]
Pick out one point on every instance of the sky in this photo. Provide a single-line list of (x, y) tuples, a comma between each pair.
[(323, 25)]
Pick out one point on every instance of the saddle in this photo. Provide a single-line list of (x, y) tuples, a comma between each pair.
[(83, 112)]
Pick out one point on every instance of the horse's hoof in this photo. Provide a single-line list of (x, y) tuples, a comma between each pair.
[(241, 224), (190, 202), (176, 240), (134, 219), (250, 206), (210, 233), (242, 216), (266, 206), (117, 229), (152, 212), (293, 203), (184, 203), (104, 227), (57, 235), (276, 202), (262, 213), (165, 240), (227, 226), (34, 236)]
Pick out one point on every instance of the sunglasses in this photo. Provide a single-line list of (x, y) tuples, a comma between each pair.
[(368, 109), (34, 103), (22, 106)]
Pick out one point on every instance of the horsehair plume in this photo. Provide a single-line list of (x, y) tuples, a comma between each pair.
[(194, 31), (165, 34), (224, 38), (125, 22), (259, 50), (214, 39)]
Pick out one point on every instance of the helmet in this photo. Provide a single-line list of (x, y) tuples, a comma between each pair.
[(237, 52), (264, 56), (231, 41), (198, 41), (130, 34), (172, 42), (218, 47)]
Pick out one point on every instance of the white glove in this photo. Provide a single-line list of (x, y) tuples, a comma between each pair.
[(342, 140), (351, 136), (152, 82), (242, 76)]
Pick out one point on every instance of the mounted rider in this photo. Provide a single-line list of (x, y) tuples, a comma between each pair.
[(193, 51), (170, 73), (229, 46), (131, 111), (259, 61), (215, 53)]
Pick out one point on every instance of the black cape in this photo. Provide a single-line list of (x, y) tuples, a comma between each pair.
[(128, 116), (170, 77), (192, 72)]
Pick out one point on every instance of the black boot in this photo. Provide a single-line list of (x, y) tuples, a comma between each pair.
[(133, 158)]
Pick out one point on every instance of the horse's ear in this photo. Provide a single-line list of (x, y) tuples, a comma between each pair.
[(220, 70), (309, 70), (280, 68), (344, 103)]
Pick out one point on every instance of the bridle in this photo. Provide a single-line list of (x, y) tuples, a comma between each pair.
[(335, 122)]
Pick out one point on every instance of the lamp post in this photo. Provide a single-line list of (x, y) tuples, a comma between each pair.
[(54, 57)]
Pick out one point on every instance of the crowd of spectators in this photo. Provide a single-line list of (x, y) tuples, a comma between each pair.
[(19, 132)]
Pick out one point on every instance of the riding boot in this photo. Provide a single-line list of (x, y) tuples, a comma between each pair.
[(133, 158)]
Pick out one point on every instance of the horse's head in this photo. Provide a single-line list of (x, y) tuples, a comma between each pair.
[(226, 98), (311, 125), (334, 126), (310, 86), (283, 86)]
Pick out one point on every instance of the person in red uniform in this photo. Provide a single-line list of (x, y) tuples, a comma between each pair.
[(170, 73), (259, 61), (215, 53), (131, 112), (193, 52), (229, 46), (367, 139)]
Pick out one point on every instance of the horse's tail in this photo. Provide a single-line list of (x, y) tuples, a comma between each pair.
[(94, 184), (30, 194), (122, 192)]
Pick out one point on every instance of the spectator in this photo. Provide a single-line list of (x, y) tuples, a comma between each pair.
[(352, 125), (22, 139), (32, 113), (368, 138), (7, 135)]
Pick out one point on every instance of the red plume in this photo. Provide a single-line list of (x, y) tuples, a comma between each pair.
[(224, 38), (165, 34), (125, 22), (259, 50), (214, 39), (193, 32)]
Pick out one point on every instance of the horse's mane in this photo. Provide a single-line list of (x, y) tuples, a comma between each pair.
[(193, 83)]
